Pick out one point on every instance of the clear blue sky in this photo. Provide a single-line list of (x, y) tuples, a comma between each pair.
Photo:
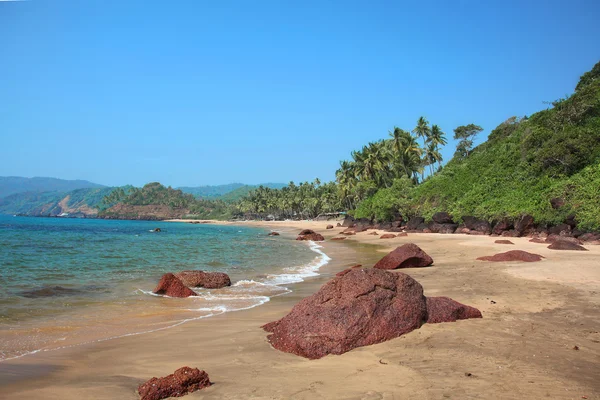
[(198, 92)]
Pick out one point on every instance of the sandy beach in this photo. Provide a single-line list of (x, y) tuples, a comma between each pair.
[(539, 336)]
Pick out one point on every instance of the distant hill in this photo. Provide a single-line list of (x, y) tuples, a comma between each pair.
[(16, 184), (229, 192), (85, 202)]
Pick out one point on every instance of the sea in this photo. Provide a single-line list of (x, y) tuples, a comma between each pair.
[(66, 282)]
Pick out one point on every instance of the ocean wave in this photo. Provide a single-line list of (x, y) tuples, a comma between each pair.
[(300, 273)]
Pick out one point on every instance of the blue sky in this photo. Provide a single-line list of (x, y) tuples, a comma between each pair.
[(197, 92)]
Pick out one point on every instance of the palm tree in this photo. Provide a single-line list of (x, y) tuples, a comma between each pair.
[(422, 130)]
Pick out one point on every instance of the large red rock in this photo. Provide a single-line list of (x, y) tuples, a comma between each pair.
[(172, 286), (444, 309), (309, 234), (185, 380), (513, 255), (209, 280), (387, 236), (357, 308), (566, 245), (406, 256)]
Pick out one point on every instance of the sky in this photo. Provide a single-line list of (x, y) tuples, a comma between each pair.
[(194, 93)]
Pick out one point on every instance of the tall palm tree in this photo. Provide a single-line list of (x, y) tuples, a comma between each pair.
[(422, 130)]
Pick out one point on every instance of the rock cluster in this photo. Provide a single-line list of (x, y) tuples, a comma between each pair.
[(357, 308), (308, 234)]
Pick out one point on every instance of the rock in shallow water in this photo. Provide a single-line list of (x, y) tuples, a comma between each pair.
[(406, 256), (209, 280), (183, 381), (172, 286), (357, 308)]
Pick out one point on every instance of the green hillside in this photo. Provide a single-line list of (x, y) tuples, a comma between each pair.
[(554, 154), (229, 192)]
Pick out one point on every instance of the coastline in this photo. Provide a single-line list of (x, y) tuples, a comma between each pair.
[(522, 347)]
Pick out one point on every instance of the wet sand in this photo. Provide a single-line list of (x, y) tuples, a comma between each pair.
[(534, 314)]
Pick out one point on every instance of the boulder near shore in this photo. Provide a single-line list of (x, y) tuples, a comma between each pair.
[(309, 234), (360, 307), (172, 286), (208, 280), (406, 256), (183, 381)]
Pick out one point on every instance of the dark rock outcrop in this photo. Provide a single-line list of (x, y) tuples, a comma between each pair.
[(554, 238), (172, 286), (414, 223), (560, 229), (442, 228), (503, 241), (183, 381), (329, 227), (537, 240), (209, 280), (444, 309), (442, 218), (406, 256), (513, 255), (387, 236), (566, 245), (524, 225), (589, 237), (358, 308), (503, 225), (273, 234), (476, 224)]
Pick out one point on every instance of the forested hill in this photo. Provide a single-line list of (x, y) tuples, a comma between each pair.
[(231, 191), (547, 165), (17, 184)]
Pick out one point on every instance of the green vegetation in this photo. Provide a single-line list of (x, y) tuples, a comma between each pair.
[(524, 164)]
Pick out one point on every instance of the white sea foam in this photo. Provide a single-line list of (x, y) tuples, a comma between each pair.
[(300, 273)]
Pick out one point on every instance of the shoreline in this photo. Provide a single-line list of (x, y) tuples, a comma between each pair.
[(531, 316)]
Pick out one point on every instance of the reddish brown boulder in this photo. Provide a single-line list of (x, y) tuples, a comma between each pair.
[(344, 272), (538, 240), (588, 237), (442, 218), (273, 234), (209, 280), (566, 245), (387, 236), (444, 309), (513, 255), (554, 237), (309, 234), (358, 308), (338, 238), (172, 286), (406, 256), (503, 241), (185, 380), (329, 227)]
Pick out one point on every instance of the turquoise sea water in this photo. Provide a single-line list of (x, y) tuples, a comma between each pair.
[(72, 281)]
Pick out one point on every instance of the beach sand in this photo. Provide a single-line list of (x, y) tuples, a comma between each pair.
[(524, 347)]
